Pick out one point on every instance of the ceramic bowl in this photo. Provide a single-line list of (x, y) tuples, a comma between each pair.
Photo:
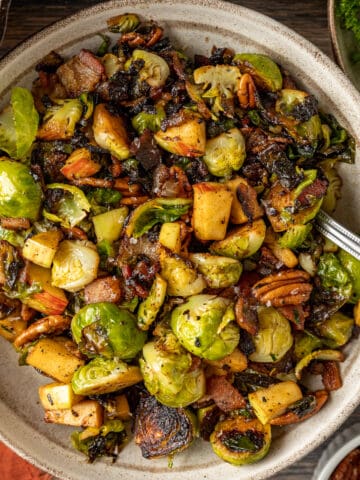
[(344, 46), (195, 25)]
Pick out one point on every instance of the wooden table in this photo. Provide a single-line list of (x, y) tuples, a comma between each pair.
[(306, 17)]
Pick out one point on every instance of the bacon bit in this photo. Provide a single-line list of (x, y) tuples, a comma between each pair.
[(116, 167), (331, 376), (296, 315), (27, 313), (88, 58), (15, 223), (106, 289), (225, 395), (288, 418), (317, 189), (245, 317)]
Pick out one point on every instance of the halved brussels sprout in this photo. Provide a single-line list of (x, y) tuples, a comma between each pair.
[(333, 192), (170, 376), (241, 441), (336, 331), (334, 276), (123, 23), (104, 329), (225, 153), (305, 343), (205, 326), (155, 70), (150, 307), (187, 138), (150, 120), (273, 338), (182, 278), (295, 236), (241, 242), (71, 208), (20, 195), (110, 132), (352, 265), (104, 375), (96, 442), (264, 71), (75, 265), (157, 210), (219, 272), (162, 430), (220, 84), (60, 120)]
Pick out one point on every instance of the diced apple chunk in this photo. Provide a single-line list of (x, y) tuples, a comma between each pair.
[(170, 236), (56, 396), (87, 413), (41, 248), (54, 358)]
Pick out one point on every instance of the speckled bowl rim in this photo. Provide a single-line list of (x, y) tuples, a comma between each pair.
[(302, 47)]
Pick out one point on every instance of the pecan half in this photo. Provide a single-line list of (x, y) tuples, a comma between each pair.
[(288, 287)]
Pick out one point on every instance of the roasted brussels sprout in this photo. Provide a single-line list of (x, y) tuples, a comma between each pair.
[(333, 192), (123, 23), (75, 265), (334, 277), (104, 375), (305, 343), (157, 210), (110, 132), (264, 71), (295, 236), (273, 338), (60, 120), (155, 70), (219, 272), (20, 195), (18, 124), (241, 441), (72, 207), (187, 138), (220, 84), (335, 331), (182, 278), (162, 430), (170, 375), (150, 120), (241, 242), (107, 440), (150, 307), (225, 153), (205, 326), (104, 329), (352, 266)]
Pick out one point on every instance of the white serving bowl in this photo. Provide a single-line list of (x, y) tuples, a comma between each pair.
[(196, 25)]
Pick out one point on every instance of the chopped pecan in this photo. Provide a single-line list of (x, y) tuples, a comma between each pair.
[(330, 375), (288, 287), (51, 324), (225, 395), (349, 467), (246, 316)]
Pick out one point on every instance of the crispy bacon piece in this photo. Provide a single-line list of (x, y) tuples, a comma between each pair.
[(288, 418), (317, 189), (295, 314), (82, 73), (225, 395), (106, 289)]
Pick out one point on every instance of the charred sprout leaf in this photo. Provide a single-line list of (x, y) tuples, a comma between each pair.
[(225, 153), (15, 238), (207, 418), (148, 120), (333, 192), (20, 195), (241, 441), (104, 45), (123, 23), (104, 375), (104, 329), (265, 72), (158, 210), (72, 207), (60, 120), (352, 266), (205, 326), (161, 430), (335, 355), (87, 100), (107, 440), (154, 71), (151, 306), (305, 343), (334, 276), (170, 376), (274, 337), (18, 124), (219, 272)]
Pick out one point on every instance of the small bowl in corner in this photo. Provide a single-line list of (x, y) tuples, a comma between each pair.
[(344, 44), (340, 446)]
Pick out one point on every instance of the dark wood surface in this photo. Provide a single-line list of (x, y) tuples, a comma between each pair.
[(306, 17)]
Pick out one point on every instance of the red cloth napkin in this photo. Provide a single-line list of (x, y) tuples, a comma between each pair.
[(13, 467)]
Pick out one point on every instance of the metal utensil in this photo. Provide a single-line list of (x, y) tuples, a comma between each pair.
[(4, 14), (331, 229)]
